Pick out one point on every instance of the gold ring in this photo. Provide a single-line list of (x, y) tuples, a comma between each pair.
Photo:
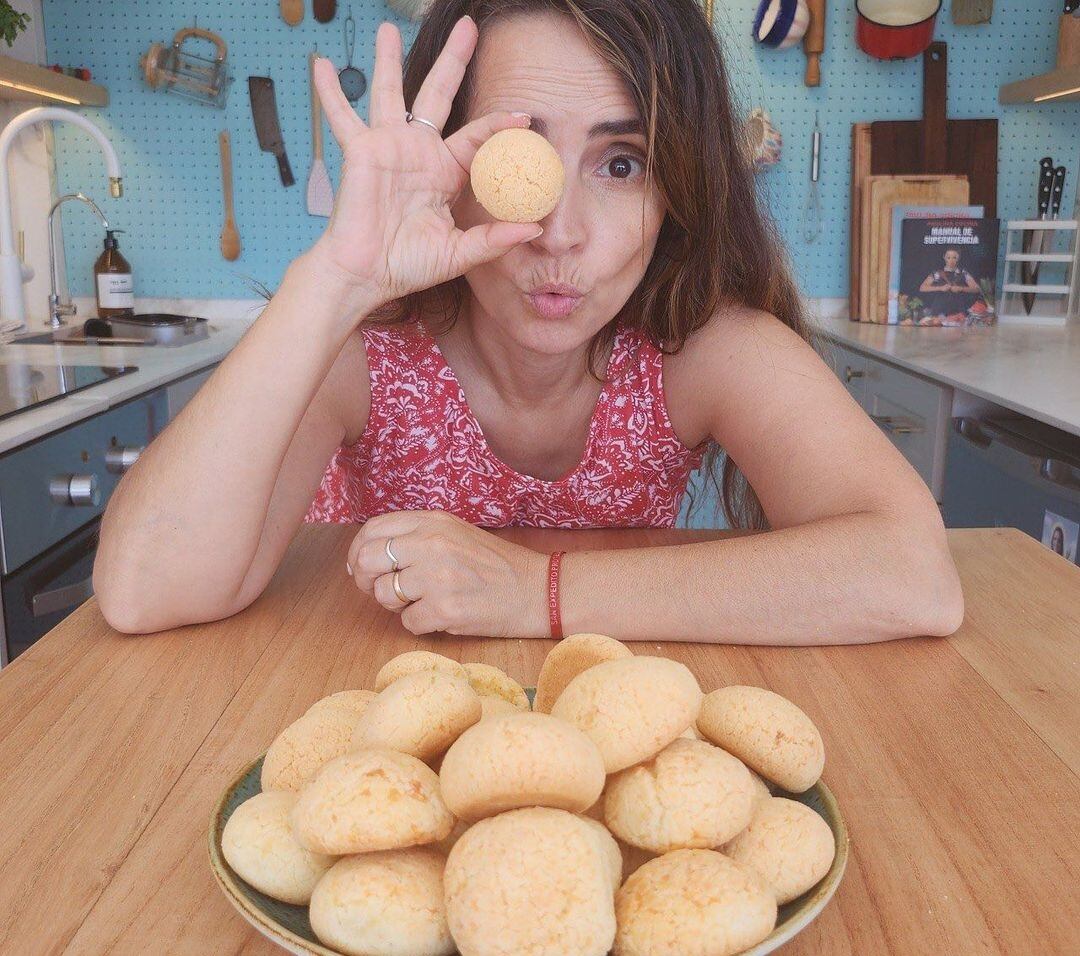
[(394, 566), (397, 590)]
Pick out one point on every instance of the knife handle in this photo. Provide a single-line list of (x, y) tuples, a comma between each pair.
[(1056, 190), (1046, 182), (287, 178)]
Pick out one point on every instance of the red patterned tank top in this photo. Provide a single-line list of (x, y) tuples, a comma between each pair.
[(423, 448)]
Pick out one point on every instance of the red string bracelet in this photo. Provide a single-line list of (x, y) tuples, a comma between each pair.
[(554, 615)]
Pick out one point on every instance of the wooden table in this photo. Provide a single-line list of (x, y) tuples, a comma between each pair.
[(955, 761)]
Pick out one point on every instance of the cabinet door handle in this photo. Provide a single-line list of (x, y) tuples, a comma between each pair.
[(897, 426), (62, 598), (968, 429), (850, 373), (1059, 473)]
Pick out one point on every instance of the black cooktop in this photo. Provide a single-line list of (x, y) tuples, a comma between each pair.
[(24, 386)]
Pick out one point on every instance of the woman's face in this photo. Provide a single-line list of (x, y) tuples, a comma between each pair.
[(600, 237), (952, 257)]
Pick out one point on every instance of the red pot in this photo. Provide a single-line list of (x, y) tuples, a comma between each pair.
[(895, 29)]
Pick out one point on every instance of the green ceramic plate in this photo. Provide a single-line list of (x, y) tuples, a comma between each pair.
[(288, 925)]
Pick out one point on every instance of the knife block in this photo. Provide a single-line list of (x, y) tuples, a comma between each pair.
[(1056, 301)]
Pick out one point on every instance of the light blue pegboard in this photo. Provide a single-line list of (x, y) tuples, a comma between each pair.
[(168, 146), (1020, 42), (172, 207)]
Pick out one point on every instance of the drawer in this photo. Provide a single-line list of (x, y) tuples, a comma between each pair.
[(31, 519), (914, 413), (850, 367)]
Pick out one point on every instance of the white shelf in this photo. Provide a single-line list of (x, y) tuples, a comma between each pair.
[(1057, 86), (1042, 289), (36, 84), (1039, 257), (1043, 223), (1022, 318)]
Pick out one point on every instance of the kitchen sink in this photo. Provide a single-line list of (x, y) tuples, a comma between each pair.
[(147, 329), (67, 337)]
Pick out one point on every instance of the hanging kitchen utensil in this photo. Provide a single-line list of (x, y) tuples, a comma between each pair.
[(781, 23), (895, 31), (814, 42), (320, 194), (812, 209), (324, 10), (173, 69), (413, 9), (969, 13), (267, 127), (763, 140), (936, 144), (353, 82), (230, 235), (1035, 239), (292, 11)]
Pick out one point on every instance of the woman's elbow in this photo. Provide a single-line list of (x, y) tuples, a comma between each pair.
[(944, 611), (123, 612), (929, 596), (131, 607)]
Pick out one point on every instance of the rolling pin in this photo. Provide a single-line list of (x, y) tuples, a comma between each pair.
[(814, 42)]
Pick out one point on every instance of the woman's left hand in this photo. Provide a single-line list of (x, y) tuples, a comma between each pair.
[(458, 578)]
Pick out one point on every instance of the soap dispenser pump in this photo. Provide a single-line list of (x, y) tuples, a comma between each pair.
[(113, 280)]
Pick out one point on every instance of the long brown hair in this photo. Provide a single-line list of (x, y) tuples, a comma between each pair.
[(716, 247)]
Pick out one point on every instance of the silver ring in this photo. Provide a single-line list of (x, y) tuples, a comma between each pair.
[(397, 589), (394, 566), (409, 118)]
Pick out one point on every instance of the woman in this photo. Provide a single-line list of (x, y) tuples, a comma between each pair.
[(1057, 540), (950, 291), (460, 373)]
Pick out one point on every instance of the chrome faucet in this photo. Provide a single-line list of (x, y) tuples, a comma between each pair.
[(12, 271), (58, 309)]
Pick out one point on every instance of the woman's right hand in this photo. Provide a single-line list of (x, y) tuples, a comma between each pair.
[(391, 231)]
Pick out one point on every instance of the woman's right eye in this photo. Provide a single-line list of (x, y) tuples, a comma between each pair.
[(621, 166)]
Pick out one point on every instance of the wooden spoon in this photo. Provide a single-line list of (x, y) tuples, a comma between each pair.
[(324, 10), (230, 235), (292, 11)]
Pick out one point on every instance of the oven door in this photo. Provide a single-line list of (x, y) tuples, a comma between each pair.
[(45, 590)]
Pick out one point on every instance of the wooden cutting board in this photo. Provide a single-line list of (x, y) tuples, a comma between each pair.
[(966, 13), (860, 169), (880, 194), (936, 144)]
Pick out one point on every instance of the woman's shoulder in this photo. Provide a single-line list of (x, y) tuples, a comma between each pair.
[(737, 341)]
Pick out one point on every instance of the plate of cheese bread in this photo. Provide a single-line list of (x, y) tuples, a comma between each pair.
[(614, 808)]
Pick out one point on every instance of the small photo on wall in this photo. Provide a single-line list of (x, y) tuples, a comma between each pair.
[(1060, 535)]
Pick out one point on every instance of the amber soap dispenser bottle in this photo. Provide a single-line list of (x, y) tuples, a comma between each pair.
[(113, 280)]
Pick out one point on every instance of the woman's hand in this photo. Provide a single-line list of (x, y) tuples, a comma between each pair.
[(391, 231), (458, 578)]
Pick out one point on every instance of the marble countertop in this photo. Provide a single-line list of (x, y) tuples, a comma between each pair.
[(1030, 369), (156, 366), (1033, 370)]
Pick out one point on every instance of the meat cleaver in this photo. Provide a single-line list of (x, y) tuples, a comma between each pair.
[(267, 127)]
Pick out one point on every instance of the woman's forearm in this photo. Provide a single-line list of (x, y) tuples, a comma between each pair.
[(187, 520), (842, 580)]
